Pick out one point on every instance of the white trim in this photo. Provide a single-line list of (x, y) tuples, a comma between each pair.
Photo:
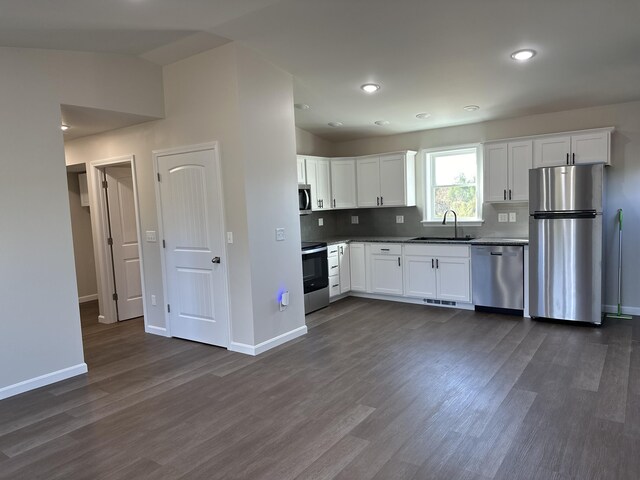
[(414, 301), (88, 298), (269, 344), (462, 223), (152, 329), (42, 380), (552, 134), (625, 310)]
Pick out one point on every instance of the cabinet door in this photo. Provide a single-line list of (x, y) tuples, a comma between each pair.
[(551, 151), (343, 183), (392, 181), (590, 148), (302, 174), (419, 276), (323, 183), (345, 268), (453, 279), (368, 176), (495, 168), (357, 264), (520, 162), (386, 274), (311, 169)]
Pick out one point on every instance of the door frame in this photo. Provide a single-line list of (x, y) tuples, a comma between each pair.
[(214, 146), (100, 232)]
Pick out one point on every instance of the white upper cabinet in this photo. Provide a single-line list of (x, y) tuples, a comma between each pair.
[(386, 180), (343, 183), (302, 174), (319, 177), (574, 148), (506, 167)]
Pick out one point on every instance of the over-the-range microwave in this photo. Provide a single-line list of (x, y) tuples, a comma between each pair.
[(304, 199)]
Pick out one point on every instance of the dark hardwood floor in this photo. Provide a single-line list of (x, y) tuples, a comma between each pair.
[(376, 390)]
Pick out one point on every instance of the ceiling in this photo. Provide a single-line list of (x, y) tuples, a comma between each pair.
[(432, 56), (85, 121)]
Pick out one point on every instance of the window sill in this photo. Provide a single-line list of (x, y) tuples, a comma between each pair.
[(463, 223)]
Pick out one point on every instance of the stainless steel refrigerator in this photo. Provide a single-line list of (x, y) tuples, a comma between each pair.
[(565, 242)]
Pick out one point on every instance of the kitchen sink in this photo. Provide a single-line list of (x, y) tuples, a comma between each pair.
[(448, 239)]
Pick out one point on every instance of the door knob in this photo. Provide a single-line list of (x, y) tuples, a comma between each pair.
[(215, 260)]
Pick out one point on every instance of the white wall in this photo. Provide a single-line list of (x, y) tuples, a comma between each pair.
[(623, 178), (82, 240), (309, 144)]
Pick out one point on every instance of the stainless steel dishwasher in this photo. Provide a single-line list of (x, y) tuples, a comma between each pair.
[(498, 276)]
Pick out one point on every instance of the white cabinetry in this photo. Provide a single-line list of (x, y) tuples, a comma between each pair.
[(302, 174), (574, 148), (319, 177), (506, 167), (358, 267), (386, 180), (437, 272), (345, 267), (385, 260), (339, 269), (343, 183)]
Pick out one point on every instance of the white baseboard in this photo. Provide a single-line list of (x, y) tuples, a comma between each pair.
[(88, 298), (625, 310), (156, 330), (269, 344), (42, 380), (414, 301)]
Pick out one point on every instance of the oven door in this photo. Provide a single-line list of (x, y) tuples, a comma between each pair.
[(315, 269)]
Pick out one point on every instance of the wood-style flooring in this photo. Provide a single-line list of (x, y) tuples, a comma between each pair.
[(376, 390)]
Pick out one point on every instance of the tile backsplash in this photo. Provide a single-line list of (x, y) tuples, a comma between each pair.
[(382, 222)]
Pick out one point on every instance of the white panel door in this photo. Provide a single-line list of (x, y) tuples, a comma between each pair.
[(454, 279), (368, 176), (551, 151), (419, 276), (345, 267), (343, 183), (386, 274), (495, 168), (358, 270), (124, 232), (194, 253), (590, 148), (520, 162), (392, 181)]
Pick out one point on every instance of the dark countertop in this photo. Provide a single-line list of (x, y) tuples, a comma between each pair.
[(475, 241)]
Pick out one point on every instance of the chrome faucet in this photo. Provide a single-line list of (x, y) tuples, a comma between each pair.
[(455, 221)]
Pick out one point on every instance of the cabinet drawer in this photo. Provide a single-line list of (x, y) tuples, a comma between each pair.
[(386, 249), (334, 286), (437, 250), (332, 250), (333, 265)]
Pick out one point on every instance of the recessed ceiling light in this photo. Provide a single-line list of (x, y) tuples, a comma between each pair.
[(335, 124), (382, 123), (301, 106), (64, 127), (472, 108), (523, 55), (370, 87), (423, 115)]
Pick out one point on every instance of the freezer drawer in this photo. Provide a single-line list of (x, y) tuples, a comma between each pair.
[(566, 189), (565, 268), (498, 276)]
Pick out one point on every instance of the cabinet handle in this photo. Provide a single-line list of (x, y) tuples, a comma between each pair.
[(437, 264), (505, 194), (573, 158), (509, 194), (378, 201), (567, 159), (336, 285), (381, 200), (399, 262), (341, 250), (334, 203), (432, 265), (384, 249), (335, 266)]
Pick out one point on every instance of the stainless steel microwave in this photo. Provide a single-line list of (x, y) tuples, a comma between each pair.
[(304, 199)]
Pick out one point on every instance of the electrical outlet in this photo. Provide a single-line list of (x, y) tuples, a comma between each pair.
[(512, 217), (279, 234), (354, 219), (320, 222), (503, 217), (399, 218)]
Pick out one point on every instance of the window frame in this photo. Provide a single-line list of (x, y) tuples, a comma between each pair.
[(428, 186)]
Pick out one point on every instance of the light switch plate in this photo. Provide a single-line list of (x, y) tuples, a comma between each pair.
[(354, 219), (503, 217), (399, 218), (229, 237), (153, 300), (320, 222), (512, 217), (150, 236), (279, 234)]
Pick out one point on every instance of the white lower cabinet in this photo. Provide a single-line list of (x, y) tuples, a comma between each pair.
[(358, 267), (345, 267), (385, 260), (437, 272), (339, 269)]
